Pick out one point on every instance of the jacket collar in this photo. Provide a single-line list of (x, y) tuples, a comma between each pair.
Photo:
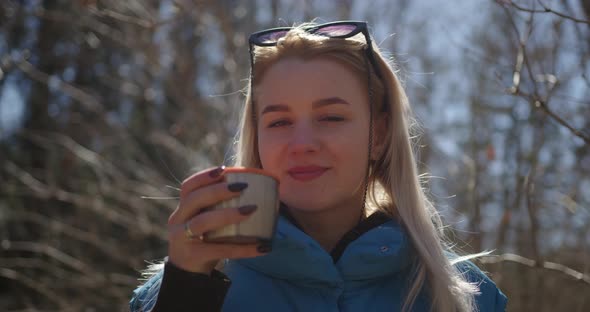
[(381, 250)]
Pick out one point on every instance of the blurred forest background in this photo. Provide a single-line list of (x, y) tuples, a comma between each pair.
[(105, 103)]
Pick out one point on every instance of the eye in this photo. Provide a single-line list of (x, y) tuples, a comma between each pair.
[(278, 123), (332, 118)]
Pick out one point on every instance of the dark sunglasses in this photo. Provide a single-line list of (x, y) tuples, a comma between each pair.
[(340, 29)]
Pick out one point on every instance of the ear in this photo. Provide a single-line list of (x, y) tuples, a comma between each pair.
[(379, 137)]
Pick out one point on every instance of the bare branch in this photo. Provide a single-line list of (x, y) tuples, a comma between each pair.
[(48, 272), (148, 23), (48, 251), (530, 204), (41, 190), (93, 24), (122, 17), (534, 99), (545, 9), (92, 239), (35, 263), (579, 276), (88, 101), (540, 104)]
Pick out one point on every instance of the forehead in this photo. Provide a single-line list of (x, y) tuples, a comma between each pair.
[(294, 81)]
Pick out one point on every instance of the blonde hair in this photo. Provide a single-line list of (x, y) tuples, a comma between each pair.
[(393, 184)]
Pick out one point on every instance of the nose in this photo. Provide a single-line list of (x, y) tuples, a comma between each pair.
[(303, 139)]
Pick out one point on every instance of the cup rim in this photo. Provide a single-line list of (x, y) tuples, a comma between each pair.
[(250, 170)]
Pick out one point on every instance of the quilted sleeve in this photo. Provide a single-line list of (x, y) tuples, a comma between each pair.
[(145, 296), (174, 289)]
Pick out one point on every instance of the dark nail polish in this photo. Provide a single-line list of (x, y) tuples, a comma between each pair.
[(248, 209), (264, 248), (215, 173), (237, 186)]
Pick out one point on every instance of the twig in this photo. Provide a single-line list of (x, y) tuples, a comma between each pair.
[(546, 9), (534, 99), (119, 187), (579, 276), (539, 104), (121, 17), (531, 206), (36, 263), (48, 251), (144, 23), (84, 22), (87, 100), (53, 225), (42, 191), (519, 56), (583, 48)]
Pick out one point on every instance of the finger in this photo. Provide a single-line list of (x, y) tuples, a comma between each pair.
[(200, 179), (207, 196), (215, 219)]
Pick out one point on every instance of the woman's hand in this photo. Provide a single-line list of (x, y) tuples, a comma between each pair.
[(198, 192)]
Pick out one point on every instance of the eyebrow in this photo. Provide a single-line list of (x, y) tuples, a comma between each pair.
[(315, 104), (329, 101)]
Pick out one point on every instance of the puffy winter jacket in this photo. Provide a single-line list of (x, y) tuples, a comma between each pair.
[(371, 273)]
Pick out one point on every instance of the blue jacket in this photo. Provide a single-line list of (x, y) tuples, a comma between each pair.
[(372, 274)]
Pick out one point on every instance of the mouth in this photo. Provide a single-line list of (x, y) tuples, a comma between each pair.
[(306, 173)]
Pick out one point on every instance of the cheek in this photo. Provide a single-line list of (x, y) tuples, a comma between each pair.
[(352, 156), (268, 150), (353, 150), (353, 139)]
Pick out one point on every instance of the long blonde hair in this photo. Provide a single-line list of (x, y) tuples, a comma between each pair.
[(394, 185)]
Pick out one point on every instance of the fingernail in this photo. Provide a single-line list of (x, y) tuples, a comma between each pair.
[(246, 210), (215, 173), (264, 248), (237, 186)]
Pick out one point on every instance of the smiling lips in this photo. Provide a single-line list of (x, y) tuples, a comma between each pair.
[(306, 173)]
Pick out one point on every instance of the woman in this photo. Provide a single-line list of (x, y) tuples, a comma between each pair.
[(326, 114)]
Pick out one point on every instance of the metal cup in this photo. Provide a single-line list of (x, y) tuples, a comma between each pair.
[(260, 226)]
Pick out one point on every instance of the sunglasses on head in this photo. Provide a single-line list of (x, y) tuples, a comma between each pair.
[(342, 29)]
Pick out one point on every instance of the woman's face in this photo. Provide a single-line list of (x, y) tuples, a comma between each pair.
[(313, 126)]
